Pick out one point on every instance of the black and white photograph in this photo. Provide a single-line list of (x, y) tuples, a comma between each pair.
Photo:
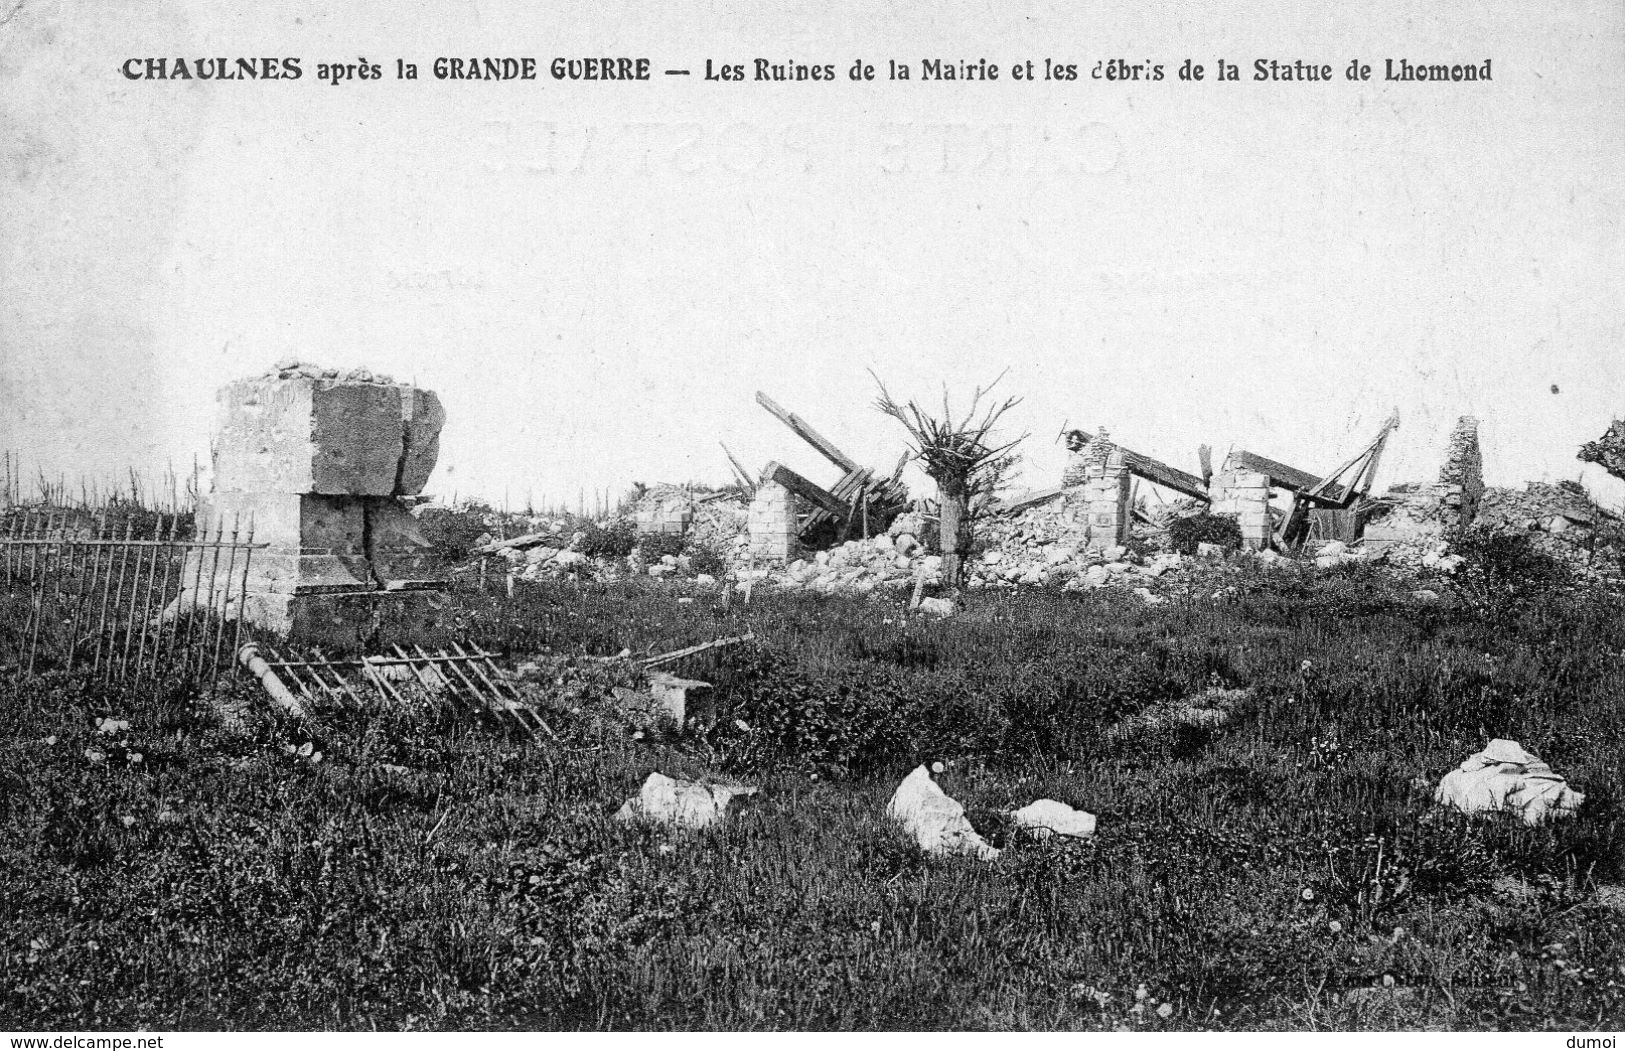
[(781, 518)]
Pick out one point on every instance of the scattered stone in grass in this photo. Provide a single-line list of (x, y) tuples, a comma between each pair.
[(686, 804), (1386, 993), (94, 756), (51, 739), (1206, 710), (936, 820), (938, 607), (112, 726), (1046, 817), (1504, 778)]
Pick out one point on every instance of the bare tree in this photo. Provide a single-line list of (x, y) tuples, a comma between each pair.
[(959, 456)]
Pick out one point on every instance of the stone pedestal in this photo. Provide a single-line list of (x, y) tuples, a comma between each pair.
[(315, 467), (772, 525), (1105, 498)]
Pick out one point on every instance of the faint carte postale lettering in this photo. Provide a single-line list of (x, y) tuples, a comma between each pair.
[(745, 148), (429, 280)]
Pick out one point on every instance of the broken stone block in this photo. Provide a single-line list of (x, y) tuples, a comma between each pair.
[(685, 804), (1046, 817), (674, 696), (935, 820), (1505, 778), (401, 554), (422, 417), (334, 437)]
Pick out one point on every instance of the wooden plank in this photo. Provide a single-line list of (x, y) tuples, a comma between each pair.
[(816, 495), (1159, 473), (739, 469), (1043, 496), (1153, 470), (807, 434), (846, 491), (1281, 475)]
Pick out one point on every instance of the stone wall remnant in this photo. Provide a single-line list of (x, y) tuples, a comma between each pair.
[(1451, 503), (1461, 478)]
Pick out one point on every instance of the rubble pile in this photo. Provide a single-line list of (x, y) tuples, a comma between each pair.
[(713, 519), (1410, 523), (1608, 452), (1040, 546)]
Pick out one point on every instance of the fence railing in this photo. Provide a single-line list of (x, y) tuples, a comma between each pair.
[(461, 681), (125, 596)]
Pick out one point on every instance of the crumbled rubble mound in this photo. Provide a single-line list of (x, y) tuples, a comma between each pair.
[(712, 519), (1608, 452), (1504, 778), (1409, 526), (1541, 507)]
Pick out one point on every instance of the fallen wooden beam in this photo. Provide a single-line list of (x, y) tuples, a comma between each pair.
[(739, 469), (1282, 476), (847, 491), (1155, 471), (816, 495), (689, 651), (807, 434), (527, 540), (1043, 496)]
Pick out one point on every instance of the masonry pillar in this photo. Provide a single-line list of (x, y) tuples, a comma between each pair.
[(772, 526), (1105, 493), (1245, 496)]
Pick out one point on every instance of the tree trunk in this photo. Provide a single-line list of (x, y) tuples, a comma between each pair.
[(948, 532)]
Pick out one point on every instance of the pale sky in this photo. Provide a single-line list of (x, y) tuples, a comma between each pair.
[(597, 277)]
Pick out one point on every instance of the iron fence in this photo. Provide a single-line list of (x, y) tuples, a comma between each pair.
[(121, 595)]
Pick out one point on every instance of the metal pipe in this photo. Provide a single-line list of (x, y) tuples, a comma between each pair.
[(249, 657)]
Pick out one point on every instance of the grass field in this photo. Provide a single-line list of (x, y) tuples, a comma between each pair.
[(1285, 870)]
